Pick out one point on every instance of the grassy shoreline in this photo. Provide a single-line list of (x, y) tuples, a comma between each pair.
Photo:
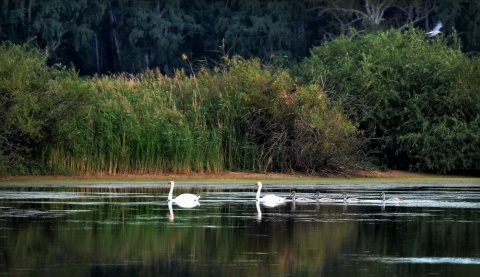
[(238, 176)]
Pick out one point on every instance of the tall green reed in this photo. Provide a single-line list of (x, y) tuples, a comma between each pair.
[(150, 123), (241, 116)]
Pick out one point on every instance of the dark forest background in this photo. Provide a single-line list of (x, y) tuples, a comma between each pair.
[(110, 36), (108, 87)]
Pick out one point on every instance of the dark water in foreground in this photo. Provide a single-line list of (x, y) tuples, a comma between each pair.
[(128, 229)]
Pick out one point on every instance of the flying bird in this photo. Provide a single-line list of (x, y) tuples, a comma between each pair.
[(435, 30)]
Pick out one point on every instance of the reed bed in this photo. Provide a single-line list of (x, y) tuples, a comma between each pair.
[(242, 116), (150, 123)]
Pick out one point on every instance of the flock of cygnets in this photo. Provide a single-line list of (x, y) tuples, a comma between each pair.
[(188, 199), (345, 198)]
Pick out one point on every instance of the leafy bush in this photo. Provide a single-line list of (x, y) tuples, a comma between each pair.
[(34, 100), (416, 99), (296, 128)]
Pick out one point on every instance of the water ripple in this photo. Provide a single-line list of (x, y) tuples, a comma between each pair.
[(423, 260)]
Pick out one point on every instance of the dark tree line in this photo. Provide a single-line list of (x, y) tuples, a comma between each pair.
[(109, 36)]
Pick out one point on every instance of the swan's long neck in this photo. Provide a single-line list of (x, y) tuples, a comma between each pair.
[(293, 196), (171, 192), (258, 191), (383, 197)]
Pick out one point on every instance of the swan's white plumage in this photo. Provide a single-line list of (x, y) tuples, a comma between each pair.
[(269, 198), (185, 200)]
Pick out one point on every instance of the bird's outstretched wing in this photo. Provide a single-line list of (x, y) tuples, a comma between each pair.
[(437, 27), (435, 30)]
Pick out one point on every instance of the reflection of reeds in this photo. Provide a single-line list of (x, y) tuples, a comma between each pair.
[(225, 238), (160, 189), (115, 234)]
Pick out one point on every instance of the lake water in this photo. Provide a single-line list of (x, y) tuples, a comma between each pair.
[(129, 229)]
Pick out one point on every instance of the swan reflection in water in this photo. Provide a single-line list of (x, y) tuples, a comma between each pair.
[(259, 211), (170, 215), (265, 204)]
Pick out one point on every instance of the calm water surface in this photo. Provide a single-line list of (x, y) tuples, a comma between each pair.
[(129, 229)]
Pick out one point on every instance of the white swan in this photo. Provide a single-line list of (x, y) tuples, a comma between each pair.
[(269, 198), (393, 199), (300, 199), (185, 200), (346, 199), (323, 199)]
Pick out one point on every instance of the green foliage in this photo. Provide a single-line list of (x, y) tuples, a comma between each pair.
[(34, 100), (324, 138), (23, 79), (230, 118), (296, 128), (144, 124), (415, 98)]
